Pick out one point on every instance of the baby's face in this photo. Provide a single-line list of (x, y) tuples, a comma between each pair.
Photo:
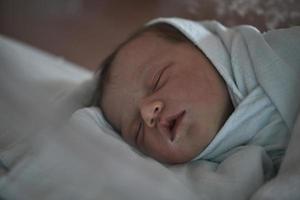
[(165, 98)]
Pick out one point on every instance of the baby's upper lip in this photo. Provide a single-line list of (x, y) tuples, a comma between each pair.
[(171, 123)]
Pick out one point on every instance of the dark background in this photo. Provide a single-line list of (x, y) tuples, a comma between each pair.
[(85, 31)]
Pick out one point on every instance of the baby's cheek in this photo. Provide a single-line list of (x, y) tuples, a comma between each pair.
[(154, 148)]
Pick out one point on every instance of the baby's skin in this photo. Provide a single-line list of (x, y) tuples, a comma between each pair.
[(165, 98)]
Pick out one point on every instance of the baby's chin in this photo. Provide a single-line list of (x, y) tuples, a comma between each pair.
[(175, 161), (174, 158)]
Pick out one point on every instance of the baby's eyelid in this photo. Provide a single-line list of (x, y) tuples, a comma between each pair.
[(157, 80), (160, 75)]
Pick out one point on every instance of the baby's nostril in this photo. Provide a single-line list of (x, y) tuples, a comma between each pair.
[(156, 109)]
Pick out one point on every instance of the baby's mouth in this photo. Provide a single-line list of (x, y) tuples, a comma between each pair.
[(174, 123)]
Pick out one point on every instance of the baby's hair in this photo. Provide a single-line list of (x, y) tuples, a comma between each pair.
[(164, 31)]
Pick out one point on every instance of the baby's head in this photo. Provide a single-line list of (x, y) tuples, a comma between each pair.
[(163, 95)]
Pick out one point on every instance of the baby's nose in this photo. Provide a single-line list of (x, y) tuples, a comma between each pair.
[(150, 112)]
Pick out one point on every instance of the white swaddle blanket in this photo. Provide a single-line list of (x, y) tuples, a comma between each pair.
[(256, 75)]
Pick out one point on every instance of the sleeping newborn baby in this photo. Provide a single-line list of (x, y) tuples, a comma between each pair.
[(180, 90), (164, 96)]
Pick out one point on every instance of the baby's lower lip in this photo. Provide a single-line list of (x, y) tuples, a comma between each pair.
[(176, 130)]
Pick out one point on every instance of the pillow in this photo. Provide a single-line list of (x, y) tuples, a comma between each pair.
[(34, 85)]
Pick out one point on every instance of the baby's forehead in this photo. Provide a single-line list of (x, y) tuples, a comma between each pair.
[(137, 45), (139, 41), (132, 59)]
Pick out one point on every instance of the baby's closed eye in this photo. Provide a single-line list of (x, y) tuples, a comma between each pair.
[(157, 79)]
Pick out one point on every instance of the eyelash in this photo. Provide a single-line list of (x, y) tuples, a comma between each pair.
[(158, 79)]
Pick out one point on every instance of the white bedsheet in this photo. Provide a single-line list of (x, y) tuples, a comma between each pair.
[(53, 148)]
